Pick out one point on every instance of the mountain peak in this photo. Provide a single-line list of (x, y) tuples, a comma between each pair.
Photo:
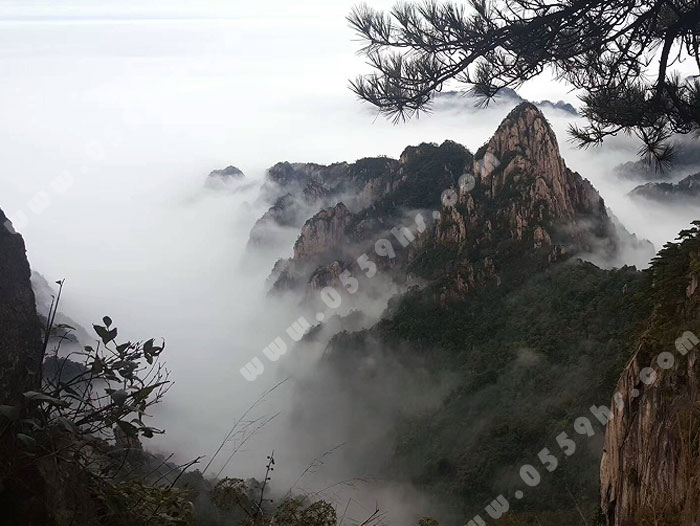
[(523, 192), (525, 131), (228, 172), (523, 196), (523, 155)]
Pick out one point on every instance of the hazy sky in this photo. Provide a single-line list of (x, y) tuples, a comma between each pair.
[(112, 113)]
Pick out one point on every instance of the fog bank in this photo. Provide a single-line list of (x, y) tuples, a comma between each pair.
[(115, 123)]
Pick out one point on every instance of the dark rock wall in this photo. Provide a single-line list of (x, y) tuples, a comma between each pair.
[(20, 332)]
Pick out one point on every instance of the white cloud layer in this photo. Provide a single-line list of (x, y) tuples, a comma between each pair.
[(137, 103)]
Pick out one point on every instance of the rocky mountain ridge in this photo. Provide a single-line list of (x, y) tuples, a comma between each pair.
[(685, 190), (686, 159), (516, 187), (297, 190), (504, 96)]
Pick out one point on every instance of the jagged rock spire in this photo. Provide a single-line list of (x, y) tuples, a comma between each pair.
[(524, 149), (523, 190)]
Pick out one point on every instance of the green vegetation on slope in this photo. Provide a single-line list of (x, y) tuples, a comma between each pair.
[(529, 356)]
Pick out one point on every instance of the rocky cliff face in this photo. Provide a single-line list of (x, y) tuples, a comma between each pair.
[(650, 471), (299, 190), (20, 345), (23, 491), (524, 148), (523, 188), (320, 241), (325, 276), (294, 177), (323, 232), (363, 180)]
